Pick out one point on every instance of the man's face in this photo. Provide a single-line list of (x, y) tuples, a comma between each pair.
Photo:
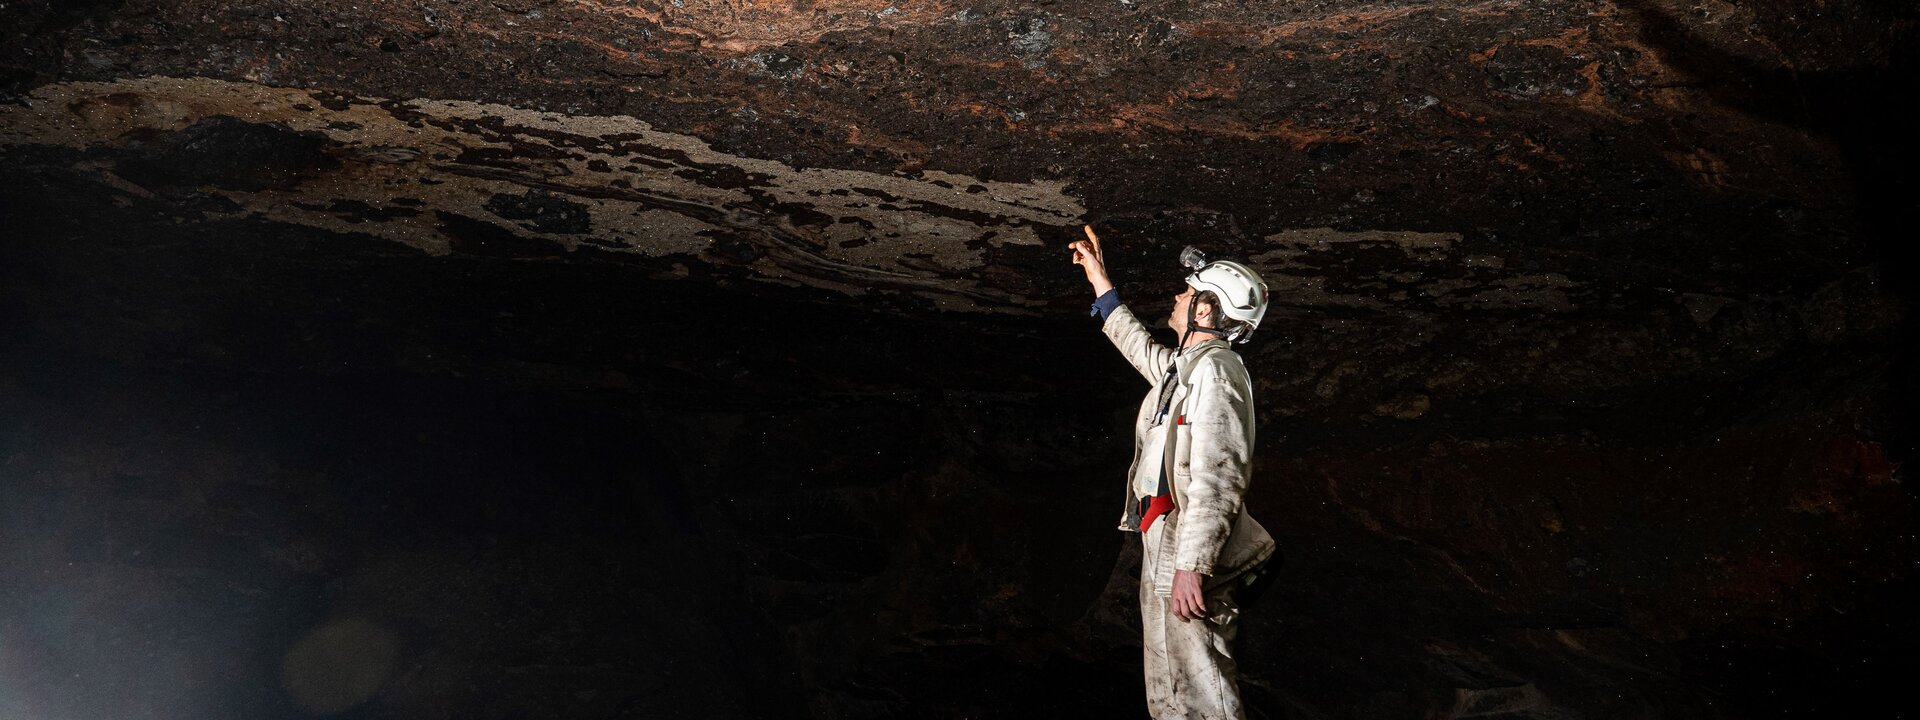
[(1179, 317)]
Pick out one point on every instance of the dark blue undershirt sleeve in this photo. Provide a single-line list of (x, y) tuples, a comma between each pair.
[(1104, 305)]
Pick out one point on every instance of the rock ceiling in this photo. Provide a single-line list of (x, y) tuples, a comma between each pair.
[(1392, 156)]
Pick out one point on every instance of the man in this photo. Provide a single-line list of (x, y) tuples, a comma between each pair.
[(1193, 453)]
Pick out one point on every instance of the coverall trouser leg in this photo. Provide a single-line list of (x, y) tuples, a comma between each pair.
[(1190, 671)]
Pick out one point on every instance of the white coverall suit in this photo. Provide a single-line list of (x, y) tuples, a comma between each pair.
[(1204, 447)]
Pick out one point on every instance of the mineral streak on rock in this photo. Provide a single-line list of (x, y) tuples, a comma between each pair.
[(615, 184), (747, 25), (1400, 273), (612, 183)]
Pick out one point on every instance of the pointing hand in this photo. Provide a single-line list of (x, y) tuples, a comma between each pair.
[(1086, 254)]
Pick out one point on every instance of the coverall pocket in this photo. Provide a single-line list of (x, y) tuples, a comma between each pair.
[(1183, 450)]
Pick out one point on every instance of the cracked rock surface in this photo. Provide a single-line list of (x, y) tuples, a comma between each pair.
[(720, 358)]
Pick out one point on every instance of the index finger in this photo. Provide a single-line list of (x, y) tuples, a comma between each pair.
[(1091, 237)]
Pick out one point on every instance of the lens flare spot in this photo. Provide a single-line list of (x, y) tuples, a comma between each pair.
[(339, 665)]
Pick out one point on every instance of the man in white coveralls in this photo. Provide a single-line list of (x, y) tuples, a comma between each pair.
[(1193, 456)]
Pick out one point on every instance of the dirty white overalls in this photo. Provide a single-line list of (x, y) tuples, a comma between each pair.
[(1203, 447)]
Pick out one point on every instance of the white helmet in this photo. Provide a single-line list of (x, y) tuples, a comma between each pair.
[(1242, 294)]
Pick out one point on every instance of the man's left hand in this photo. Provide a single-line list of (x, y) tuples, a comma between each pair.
[(1188, 601)]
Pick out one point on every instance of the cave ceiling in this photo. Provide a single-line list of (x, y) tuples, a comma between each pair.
[(1453, 201), (1386, 159)]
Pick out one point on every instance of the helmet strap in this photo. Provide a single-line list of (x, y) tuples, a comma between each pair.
[(1194, 328)]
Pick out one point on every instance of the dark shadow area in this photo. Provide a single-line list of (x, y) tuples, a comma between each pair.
[(1848, 74), (535, 490), (1858, 96)]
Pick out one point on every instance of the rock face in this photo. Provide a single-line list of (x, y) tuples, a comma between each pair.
[(719, 358)]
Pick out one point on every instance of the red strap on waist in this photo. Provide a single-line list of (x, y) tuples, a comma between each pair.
[(1160, 505)]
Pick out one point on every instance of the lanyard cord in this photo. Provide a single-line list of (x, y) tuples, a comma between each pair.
[(1165, 402)]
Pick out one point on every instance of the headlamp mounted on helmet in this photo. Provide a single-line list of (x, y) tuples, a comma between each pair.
[(1193, 258)]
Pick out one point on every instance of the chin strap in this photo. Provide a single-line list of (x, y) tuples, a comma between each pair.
[(1191, 328)]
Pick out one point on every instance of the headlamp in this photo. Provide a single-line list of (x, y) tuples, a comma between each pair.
[(1193, 258)]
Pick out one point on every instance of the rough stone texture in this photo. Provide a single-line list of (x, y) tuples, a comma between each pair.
[(718, 358)]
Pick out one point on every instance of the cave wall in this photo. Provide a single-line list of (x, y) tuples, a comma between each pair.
[(719, 359)]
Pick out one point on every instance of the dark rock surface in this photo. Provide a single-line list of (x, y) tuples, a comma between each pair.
[(717, 358)]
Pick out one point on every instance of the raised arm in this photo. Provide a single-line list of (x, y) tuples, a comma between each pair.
[(1132, 338), (1136, 344)]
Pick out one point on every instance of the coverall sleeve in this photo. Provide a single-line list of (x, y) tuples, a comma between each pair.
[(1136, 343), (1221, 456)]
